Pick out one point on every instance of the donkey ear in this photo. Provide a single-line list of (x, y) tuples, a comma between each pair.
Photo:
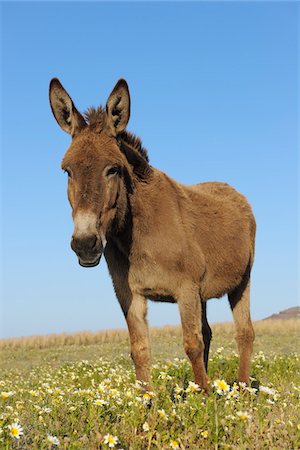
[(118, 108), (64, 111)]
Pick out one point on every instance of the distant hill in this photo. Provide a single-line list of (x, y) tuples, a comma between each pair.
[(290, 313)]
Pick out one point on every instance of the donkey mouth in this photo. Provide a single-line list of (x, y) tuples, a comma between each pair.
[(93, 263)]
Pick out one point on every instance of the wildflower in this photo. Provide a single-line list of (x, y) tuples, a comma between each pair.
[(148, 395), (114, 393), (5, 395), (267, 390), (234, 393), (34, 393), (178, 389), (138, 384), (193, 387), (83, 392), (230, 417), (174, 444), (164, 376), (46, 410), (252, 391), (100, 402), (147, 398), (146, 426), (243, 415), (174, 413), (261, 356), (162, 414), (15, 430), (110, 440), (221, 386), (52, 440), (204, 434)]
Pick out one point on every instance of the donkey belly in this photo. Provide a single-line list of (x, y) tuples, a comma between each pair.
[(160, 298), (216, 286)]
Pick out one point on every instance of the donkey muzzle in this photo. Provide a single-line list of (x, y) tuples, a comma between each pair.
[(88, 249)]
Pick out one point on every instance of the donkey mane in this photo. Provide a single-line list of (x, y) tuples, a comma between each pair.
[(95, 118)]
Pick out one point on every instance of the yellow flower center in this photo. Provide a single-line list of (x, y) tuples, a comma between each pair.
[(14, 431), (5, 395)]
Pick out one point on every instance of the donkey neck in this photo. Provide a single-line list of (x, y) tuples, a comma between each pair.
[(120, 237), (130, 220)]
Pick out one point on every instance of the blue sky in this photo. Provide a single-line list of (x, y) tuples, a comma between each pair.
[(214, 98)]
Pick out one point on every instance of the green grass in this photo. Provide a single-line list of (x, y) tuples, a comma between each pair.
[(79, 394)]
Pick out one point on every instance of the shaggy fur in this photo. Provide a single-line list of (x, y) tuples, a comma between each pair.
[(162, 240), (96, 119)]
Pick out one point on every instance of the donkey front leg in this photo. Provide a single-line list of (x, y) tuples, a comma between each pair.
[(239, 301), (206, 333), (190, 313), (136, 317)]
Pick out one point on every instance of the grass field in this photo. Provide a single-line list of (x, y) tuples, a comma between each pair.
[(79, 392)]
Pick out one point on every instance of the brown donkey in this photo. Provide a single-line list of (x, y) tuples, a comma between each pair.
[(162, 240)]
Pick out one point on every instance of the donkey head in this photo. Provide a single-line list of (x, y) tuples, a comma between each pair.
[(98, 172)]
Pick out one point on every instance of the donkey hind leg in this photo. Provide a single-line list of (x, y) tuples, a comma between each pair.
[(239, 300), (136, 318), (206, 333), (190, 312)]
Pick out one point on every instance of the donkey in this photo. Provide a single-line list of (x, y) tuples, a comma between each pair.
[(162, 240)]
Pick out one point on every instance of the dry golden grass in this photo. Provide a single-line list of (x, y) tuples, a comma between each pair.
[(266, 327)]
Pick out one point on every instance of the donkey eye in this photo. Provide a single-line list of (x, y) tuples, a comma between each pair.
[(68, 172), (113, 170)]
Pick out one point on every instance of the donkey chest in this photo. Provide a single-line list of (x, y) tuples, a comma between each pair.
[(154, 281)]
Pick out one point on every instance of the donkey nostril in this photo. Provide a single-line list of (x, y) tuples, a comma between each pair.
[(73, 244), (83, 244), (93, 242)]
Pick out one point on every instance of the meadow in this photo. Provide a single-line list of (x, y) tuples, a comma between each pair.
[(79, 392)]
